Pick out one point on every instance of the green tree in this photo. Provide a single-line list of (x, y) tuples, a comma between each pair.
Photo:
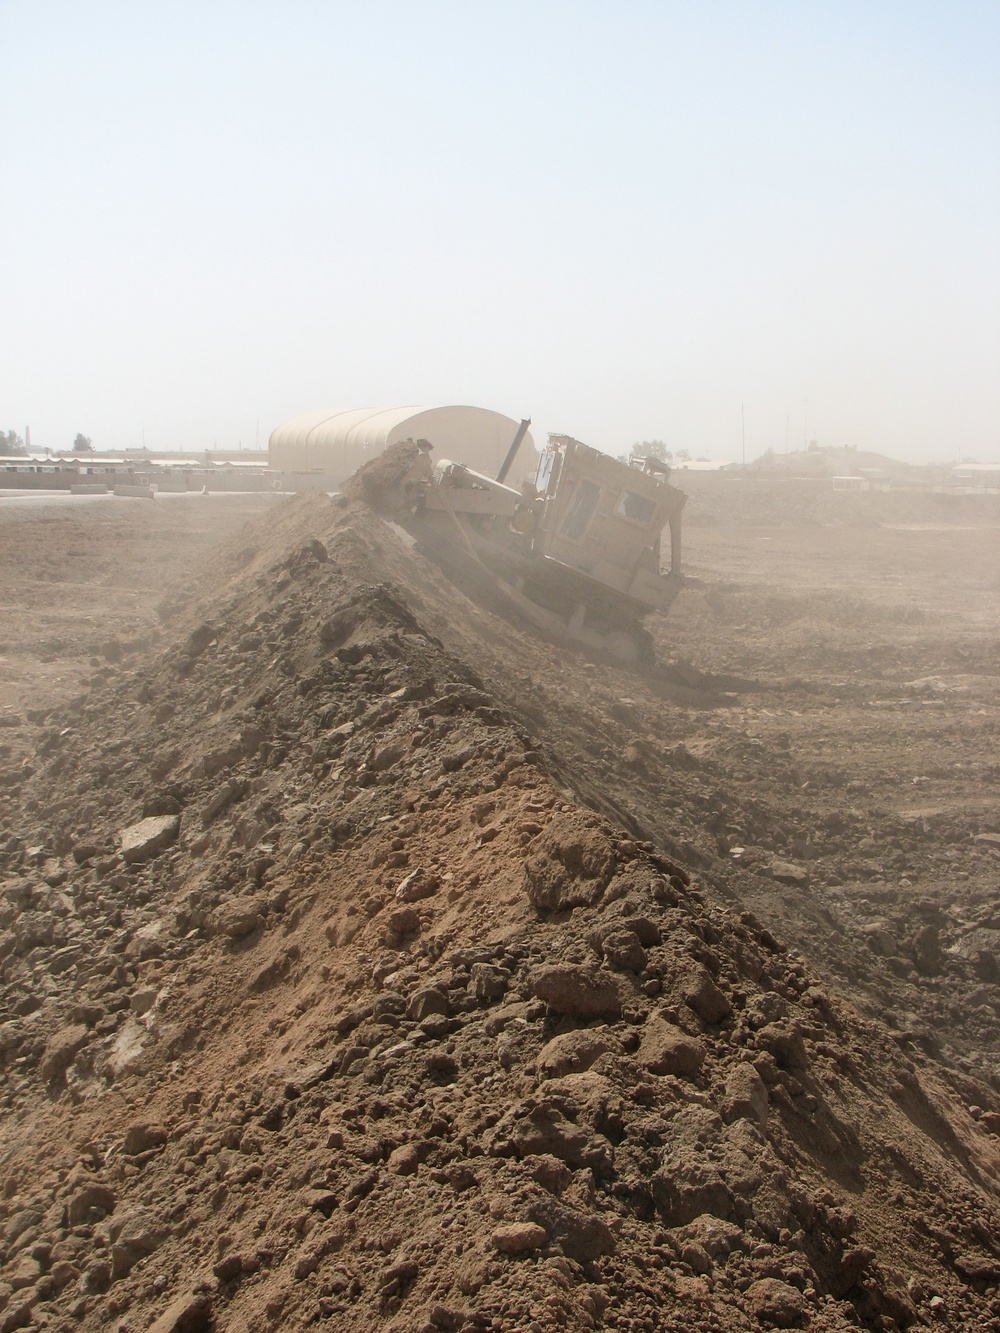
[(82, 444), (12, 444), (652, 449)]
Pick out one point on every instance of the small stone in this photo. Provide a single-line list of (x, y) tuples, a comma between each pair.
[(386, 757), (549, 1172), (786, 872), (321, 1201), (977, 1267), (697, 1258), (142, 1136), (97, 1277), (400, 924), (228, 1267), (623, 951), (142, 1000), (90, 1204), (199, 639), (777, 1303), (785, 1043), (17, 1315), (427, 1001), (582, 1237), (447, 1318), (133, 1234), (519, 1238), (488, 982), (63, 1273), (237, 918), (190, 1313), (26, 1273), (418, 884), (142, 841)]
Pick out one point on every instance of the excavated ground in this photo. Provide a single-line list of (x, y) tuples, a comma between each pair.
[(366, 961)]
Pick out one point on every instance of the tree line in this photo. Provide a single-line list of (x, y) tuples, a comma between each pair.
[(12, 444)]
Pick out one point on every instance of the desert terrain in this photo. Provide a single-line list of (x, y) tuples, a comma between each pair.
[(368, 962)]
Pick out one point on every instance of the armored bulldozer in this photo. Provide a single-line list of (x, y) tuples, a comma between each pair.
[(577, 551)]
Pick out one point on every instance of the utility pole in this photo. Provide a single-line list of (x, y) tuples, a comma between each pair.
[(743, 424)]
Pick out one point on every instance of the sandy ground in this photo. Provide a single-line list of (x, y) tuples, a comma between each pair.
[(473, 983)]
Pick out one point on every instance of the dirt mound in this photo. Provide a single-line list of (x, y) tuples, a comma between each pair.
[(377, 483), (367, 963)]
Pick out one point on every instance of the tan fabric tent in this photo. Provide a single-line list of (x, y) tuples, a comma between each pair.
[(338, 442)]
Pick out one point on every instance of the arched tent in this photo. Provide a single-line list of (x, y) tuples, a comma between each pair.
[(338, 442)]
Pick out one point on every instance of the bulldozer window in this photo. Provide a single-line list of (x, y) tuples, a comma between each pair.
[(637, 508), (544, 472), (583, 505)]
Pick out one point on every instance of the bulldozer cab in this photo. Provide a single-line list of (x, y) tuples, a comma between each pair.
[(605, 518)]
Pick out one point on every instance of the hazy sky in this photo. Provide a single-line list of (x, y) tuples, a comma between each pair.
[(622, 219)]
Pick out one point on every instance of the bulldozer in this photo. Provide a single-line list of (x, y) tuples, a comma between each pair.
[(577, 551)]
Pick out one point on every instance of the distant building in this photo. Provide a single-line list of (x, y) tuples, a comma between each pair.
[(336, 443), (974, 477), (701, 465)]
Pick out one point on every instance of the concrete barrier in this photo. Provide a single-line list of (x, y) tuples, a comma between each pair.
[(135, 492), (88, 488)]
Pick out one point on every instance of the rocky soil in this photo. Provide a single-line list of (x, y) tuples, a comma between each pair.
[(367, 961)]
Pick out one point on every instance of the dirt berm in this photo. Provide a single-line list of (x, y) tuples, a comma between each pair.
[(335, 992)]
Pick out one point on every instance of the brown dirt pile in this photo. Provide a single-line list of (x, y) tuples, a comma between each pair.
[(367, 963)]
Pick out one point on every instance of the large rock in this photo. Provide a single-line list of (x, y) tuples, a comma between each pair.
[(127, 1053), (703, 996), (573, 1052), (785, 1042), (665, 1049), (536, 1129), (581, 1236), (133, 1233), (746, 1096), (61, 1049), (716, 1237), (519, 1238), (570, 865), (142, 841), (577, 990), (623, 950), (685, 1187)]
